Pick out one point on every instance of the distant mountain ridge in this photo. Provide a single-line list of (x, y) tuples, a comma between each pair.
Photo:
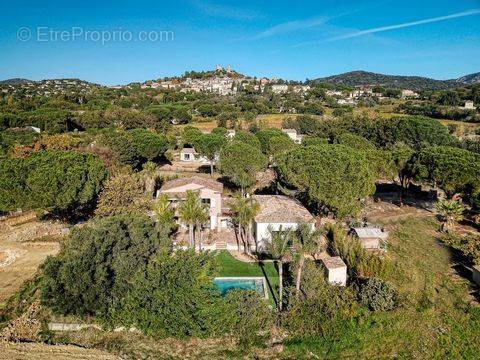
[(15, 81), (351, 79), (470, 79), (364, 78), (21, 81)]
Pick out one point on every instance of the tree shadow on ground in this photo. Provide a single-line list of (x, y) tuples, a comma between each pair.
[(396, 195), (269, 284)]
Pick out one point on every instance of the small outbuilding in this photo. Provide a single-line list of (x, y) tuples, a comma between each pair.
[(370, 237), (335, 270), (188, 154)]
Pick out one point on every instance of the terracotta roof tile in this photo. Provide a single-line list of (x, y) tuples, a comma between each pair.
[(333, 262), (280, 208), (207, 183)]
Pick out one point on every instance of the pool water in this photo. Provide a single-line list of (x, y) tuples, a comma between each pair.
[(227, 284)]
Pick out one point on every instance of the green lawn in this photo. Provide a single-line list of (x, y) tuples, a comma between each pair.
[(437, 318), (229, 266)]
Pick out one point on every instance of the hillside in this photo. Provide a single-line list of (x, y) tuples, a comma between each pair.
[(14, 81), (470, 79), (362, 78)]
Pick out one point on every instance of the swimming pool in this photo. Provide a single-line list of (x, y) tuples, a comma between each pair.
[(225, 284)]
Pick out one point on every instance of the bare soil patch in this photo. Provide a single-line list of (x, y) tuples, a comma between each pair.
[(35, 351), (24, 247)]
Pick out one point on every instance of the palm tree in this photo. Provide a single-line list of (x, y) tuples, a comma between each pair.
[(449, 211), (278, 248), (191, 209), (307, 241), (201, 219), (245, 210), (164, 214)]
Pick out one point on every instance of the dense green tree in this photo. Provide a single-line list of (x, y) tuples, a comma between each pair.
[(449, 98), (314, 141), (280, 144), (210, 145), (61, 182), (208, 110), (136, 146), (220, 131), (247, 138), (400, 158), (122, 147), (190, 135), (419, 132), (354, 141), (172, 296), (149, 145), (266, 135), (96, 266), (334, 177), (129, 118), (452, 169), (314, 108), (240, 162)]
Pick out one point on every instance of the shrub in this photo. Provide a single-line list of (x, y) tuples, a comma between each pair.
[(324, 308), (246, 316), (360, 262), (171, 297), (469, 245), (96, 266), (122, 193), (378, 295)]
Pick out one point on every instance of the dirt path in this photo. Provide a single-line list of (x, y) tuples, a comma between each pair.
[(387, 213), (35, 351)]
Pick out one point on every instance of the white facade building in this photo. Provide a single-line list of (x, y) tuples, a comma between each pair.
[(277, 213), (210, 193), (279, 88)]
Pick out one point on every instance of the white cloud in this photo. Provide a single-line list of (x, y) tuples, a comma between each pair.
[(291, 26), (405, 25)]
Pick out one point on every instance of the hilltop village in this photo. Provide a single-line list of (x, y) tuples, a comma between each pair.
[(223, 215)]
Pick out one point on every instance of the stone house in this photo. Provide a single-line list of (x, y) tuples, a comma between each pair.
[(210, 192)]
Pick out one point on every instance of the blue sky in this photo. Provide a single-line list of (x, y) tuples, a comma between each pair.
[(288, 39)]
